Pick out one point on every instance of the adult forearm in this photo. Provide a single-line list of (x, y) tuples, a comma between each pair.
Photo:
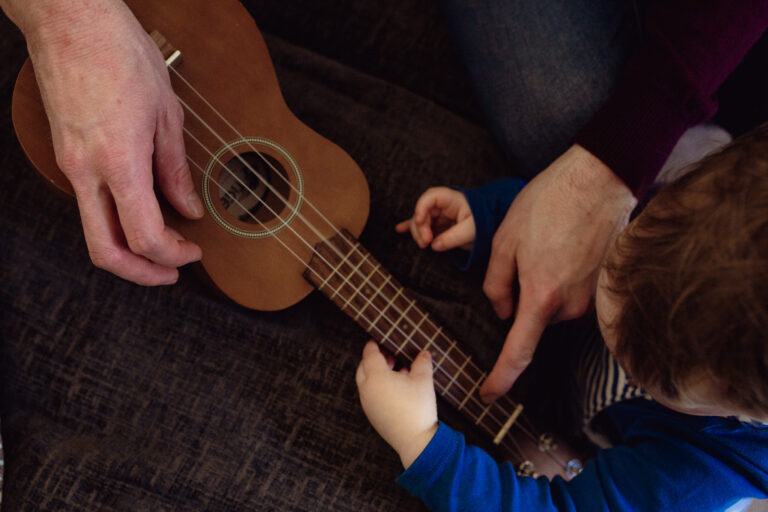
[(55, 22), (670, 84)]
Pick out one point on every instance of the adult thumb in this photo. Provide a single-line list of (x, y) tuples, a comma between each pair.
[(171, 167)]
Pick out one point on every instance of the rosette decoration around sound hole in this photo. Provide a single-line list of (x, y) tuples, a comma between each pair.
[(253, 187)]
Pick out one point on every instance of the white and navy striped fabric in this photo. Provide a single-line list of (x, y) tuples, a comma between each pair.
[(605, 382)]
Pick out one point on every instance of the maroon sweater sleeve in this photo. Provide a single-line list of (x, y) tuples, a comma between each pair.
[(690, 47)]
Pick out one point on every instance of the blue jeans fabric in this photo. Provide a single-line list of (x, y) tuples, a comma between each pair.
[(541, 70)]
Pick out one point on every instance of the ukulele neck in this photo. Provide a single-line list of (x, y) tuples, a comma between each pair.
[(344, 271)]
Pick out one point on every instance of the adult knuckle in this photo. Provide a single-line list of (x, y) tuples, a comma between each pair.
[(178, 173), (520, 359), (72, 160), (493, 290), (105, 258), (550, 300), (143, 243), (176, 112), (502, 248), (574, 308)]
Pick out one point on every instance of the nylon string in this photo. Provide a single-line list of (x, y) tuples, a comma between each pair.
[(490, 414), (355, 247), (284, 178)]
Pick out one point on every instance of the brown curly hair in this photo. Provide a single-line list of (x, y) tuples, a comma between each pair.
[(690, 275)]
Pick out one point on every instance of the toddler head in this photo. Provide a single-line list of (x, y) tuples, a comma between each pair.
[(682, 298)]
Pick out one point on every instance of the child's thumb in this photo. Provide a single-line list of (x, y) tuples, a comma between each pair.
[(422, 365), (458, 235)]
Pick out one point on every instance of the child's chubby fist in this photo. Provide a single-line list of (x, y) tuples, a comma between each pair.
[(401, 406), (441, 219)]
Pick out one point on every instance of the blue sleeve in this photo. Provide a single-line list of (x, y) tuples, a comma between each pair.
[(489, 205), (657, 473)]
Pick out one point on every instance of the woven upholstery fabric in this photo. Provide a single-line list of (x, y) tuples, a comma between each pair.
[(118, 397)]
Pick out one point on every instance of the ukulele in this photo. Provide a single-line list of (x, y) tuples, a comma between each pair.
[(284, 205)]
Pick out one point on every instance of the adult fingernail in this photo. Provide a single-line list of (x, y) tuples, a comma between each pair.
[(437, 245), (195, 205), (489, 397)]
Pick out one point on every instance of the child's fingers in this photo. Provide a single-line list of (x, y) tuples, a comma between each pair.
[(373, 359), (422, 365), (416, 232), (460, 234), (360, 375), (422, 235), (404, 226), (435, 197)]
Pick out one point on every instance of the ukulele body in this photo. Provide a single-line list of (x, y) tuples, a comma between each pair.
[(223, 54), (240, 134)]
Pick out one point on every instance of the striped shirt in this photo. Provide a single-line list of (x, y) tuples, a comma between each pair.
[(605, 381)]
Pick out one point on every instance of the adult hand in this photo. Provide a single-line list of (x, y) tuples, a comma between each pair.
[(553, 238), (113, 117)]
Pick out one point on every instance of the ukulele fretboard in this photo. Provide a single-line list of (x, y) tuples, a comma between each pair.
[(346, 273)]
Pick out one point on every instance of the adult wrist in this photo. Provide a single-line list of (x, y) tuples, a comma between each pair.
[(54, 25), (596, 180)]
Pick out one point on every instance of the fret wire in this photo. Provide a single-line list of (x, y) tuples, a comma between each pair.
[(346, 280), (488, 428), (438, 331), (394, 324), (325, 282), (370, 299), (434, 326), (399, 290), (458, 372), (389, 304), (364, 282), (482, 415), (477, 383), (445, 391), (415, 329), (445, 354), (208, 104), (219, 137), (253, 171), (434, 336), (335, 271), (510, 421)]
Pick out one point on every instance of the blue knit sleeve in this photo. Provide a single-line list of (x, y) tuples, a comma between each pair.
[(452, 476), (489, 205), (665, 465)]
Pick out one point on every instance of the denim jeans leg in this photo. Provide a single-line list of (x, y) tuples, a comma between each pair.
[(541, 69)]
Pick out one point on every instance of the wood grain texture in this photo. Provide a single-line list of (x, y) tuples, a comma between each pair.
[(226, 60)]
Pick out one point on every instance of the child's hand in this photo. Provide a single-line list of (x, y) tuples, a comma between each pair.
[(445, 212), (401, 406)]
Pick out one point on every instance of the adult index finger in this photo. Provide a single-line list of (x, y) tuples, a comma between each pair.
[(500, 278), (143, 223), (518, 349), (171, 167), (106, 244)]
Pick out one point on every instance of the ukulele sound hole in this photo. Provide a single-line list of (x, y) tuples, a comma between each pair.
[(248, 184)]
